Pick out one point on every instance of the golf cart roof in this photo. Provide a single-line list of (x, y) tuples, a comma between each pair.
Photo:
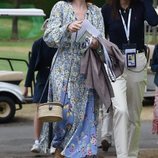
[(22, 12)]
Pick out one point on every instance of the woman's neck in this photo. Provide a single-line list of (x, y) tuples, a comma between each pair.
[(80, 4), (124, 4), (80, 8)]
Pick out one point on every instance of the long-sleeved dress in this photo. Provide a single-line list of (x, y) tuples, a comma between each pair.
[(67, 85)]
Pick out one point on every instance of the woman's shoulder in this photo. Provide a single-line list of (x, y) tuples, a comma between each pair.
[(106, 10), (93, 7), (138, 4), (38, 42), (107, 6), (60, 4)]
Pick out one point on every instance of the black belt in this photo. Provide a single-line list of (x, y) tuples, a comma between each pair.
[(141, 51)]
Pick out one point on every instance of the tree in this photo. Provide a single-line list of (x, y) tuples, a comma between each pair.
[(17, 4), (15, 21)]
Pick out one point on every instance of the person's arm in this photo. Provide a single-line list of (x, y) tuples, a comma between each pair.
[(100, 27), (154, 61), (100, 22), (31, 67), (55, 28), (106, 15), (32, 64), (25, 93), (150, 14)]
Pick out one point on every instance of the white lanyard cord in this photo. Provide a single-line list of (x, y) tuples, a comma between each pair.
[(126, 28)]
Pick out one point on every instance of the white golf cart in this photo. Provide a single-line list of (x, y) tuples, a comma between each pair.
[(11, 98)]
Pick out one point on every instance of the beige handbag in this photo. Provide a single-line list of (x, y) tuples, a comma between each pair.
[(50, 112)]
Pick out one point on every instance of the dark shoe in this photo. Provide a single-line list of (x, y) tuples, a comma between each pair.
[(105, 145)]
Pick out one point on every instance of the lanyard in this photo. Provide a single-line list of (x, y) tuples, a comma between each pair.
[(126, 28)]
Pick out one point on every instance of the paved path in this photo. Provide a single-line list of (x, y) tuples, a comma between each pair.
[(16, 138)]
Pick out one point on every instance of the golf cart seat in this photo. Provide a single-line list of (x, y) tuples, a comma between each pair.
[(14, 77)]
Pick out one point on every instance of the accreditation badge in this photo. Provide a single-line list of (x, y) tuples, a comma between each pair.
[(130, 54)]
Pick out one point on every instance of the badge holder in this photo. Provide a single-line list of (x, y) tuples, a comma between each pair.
[(130, 55)]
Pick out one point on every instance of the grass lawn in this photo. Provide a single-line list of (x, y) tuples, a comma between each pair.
[(17, 48), (28, 27)]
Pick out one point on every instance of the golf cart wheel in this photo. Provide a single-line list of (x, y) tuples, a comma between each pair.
[(7, 109)]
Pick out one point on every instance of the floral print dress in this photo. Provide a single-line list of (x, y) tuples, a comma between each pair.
[(76, 133)]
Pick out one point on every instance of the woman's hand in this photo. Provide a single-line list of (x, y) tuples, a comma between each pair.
[(74, 26), (25, 93), (94, 43)]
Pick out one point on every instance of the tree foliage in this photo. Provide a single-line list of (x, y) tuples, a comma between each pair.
[(42, 4), (15, 21), (47, 5)]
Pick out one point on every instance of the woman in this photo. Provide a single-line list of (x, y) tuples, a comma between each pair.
[(124, 25), (75, 136)]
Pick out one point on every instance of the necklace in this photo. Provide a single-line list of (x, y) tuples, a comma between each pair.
[(80, 13)]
